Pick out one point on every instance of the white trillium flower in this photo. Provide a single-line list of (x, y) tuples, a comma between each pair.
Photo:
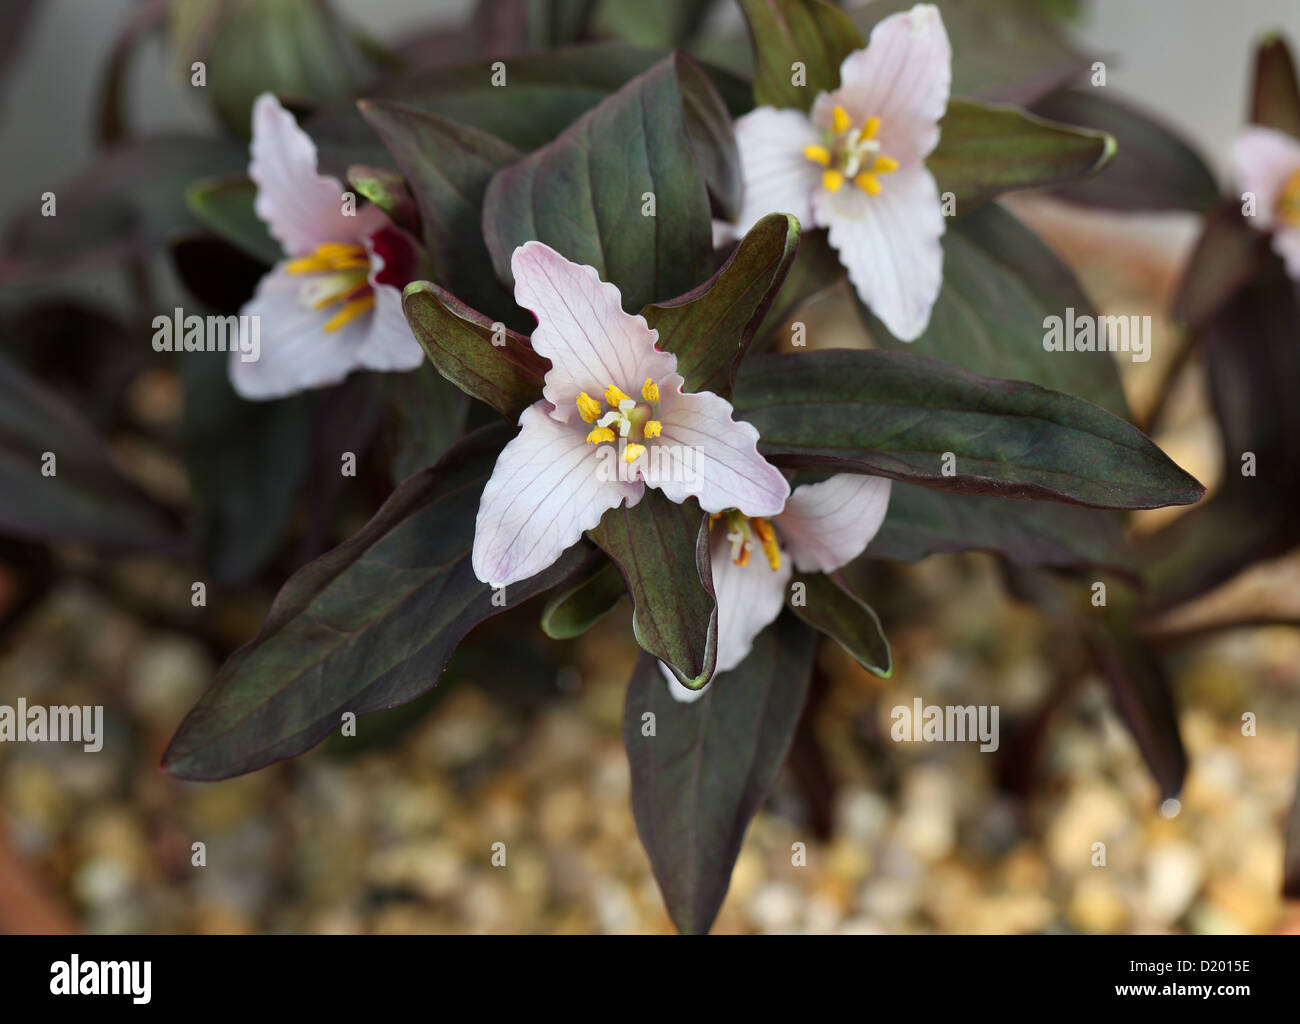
[(823, 526), (1267, 163), (856, 165), (334, 305), (613, 419)]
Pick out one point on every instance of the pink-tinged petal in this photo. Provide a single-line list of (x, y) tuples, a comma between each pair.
[(1286, 243), (828, 524), (583, 331), (902, 77), (390, 345), (296, 352), (889, 244), (778, 177), (1262, 160), (548, 486), (750, 597), (301, 207), (703, 453)]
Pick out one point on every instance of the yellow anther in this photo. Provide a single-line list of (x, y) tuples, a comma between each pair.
[(868, 182), (832, 180), (353, 309), (818, 155), (767, 537), (650, 390), (1288, 201), (588, 408), (600, 434), (330, 256), (840, 120), (614, 396), (653, 428), (633, 452), (869, 128), (885, 165)]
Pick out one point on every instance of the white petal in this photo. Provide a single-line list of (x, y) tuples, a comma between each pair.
[(583, 331), (828, 524), (902, 77), (1286, 243), (296, 352), (749, 597), (778, 177), (390, 344), (889, 244), (545, 490), (1262, 160), (703, 452), (300, 206)]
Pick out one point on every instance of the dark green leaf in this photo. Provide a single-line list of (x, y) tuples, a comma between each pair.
[(1000, 284), (125, 204), (1144, 698), (296, 48), (662, 550), (367, 626), (710, 327), (388, 191), (1275, 98), (811, 32), (462, 344), (58, 479), (830, 606), (1154, 168), (575, 609), (448, 166), (1252, 363), (427, 415), (226, 206), (583, 195), (664, 23), (542, 93), (704, 773), (895, 414), (923, 522), (984, 151), (708, 125)]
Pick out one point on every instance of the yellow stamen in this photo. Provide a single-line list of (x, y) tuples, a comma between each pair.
[(767, 536), (832, 180), (330, 256), (818, 155), (869, 128), (653, 428), (650, 390), (613, 396), (840, 120), (600, 434), (868, 182), (633, 452), (1288, 201), (885, 165), (588, 408), (351, 310), (742, 559)]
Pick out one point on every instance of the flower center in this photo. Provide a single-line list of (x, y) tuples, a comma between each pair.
[(339, 274), (851, 154), (742, 532), (625, 418), (1288, 201)]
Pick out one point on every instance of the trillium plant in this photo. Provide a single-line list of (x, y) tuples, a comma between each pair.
[(543, 345)]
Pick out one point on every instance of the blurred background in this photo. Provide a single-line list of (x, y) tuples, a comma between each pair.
[(393, 832)]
